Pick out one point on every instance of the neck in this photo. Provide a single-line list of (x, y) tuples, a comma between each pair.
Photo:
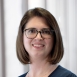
[(40, 68)]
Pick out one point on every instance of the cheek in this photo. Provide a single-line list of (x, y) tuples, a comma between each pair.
[(49, 44), (26, 42)]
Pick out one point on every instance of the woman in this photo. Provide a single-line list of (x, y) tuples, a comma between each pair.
[(39, 44)]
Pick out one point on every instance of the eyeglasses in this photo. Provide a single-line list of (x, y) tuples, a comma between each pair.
[(33, 32)]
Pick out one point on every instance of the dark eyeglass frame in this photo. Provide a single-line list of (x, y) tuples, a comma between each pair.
[(51, 31)]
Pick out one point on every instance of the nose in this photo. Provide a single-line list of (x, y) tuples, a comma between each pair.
[(38, 36)]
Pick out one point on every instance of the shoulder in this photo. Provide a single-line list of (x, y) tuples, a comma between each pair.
[(62, 72), (23, 75), (66, 73)]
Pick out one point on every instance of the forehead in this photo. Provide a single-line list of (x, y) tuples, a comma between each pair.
[(37, 22)]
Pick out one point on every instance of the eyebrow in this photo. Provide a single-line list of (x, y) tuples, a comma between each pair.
[(37, 29)]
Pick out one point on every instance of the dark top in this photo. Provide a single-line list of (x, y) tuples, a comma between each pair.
[(58, 72)]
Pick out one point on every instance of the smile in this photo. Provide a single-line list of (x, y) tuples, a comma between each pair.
[(38, 46)]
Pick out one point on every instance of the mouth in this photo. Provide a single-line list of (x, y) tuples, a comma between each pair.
[(38, 46)]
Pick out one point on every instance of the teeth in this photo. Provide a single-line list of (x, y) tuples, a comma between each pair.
[(38, 45)]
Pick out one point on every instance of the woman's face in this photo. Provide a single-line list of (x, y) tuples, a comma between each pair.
[(38, 46)]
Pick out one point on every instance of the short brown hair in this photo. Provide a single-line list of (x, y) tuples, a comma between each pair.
[(57, 53)]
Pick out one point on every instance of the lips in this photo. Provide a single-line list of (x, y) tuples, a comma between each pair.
[(38, 45)]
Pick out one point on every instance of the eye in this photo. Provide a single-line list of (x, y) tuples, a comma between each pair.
[(46, 32), (31, 30)]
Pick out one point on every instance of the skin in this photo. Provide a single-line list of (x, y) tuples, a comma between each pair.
[(38, 49)]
